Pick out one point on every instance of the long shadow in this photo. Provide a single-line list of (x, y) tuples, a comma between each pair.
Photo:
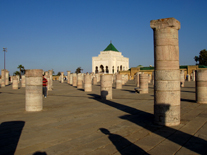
[(145, 120), (80, 89), (188, 100), (188, 91), (131, 91), (40, 153), (122, 144), (9, 136)]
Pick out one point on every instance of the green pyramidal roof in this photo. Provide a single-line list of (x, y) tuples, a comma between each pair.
[(111, 47)]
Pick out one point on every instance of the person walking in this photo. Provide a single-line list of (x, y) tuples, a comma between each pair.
[(44, 86)]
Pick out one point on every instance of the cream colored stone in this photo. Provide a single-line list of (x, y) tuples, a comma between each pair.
[(23, 81), (62, 77), (7, 78), (33, 90), (74, 79), (94, 80), (201, 86), (149, 78), (2, 78), (50, 82), (112, 60), (80, 81), (15, 83), (118, 81), (143, 83), (87, 83), (68, 77), (167, 75), (71, 79), (106, 87)]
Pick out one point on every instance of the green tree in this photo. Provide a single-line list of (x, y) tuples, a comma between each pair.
[(196, 58), (78, 70), (203, 57), (21, 70), (58, 74), (16, 73)]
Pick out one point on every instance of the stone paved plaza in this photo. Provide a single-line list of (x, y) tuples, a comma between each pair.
[(75, 122)]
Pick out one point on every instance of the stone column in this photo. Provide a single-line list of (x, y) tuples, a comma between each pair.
[(49, 87), (118, 81), (201, 86), (137, 79), (182, 78), (167, 73), (15, 83), (87, 83), (62, 77), (2, 78), (143, 83), (122, 79), (106, 87), (33, 90), (74, 79), (149, 78), (23, 81), (94, 80), (80, 81), (188, 77), (6, 77), (98, 77), (68, 77), (71, 79)]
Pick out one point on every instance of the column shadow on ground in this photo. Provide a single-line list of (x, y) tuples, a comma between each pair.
[(145, 120), (188, 91), (10, 133), (131, 91), (40, 153), (122, 144), (187, 100)]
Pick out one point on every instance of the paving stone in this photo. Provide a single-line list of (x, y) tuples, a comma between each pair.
[(71, 120)]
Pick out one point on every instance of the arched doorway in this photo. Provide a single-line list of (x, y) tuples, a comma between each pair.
[(107, 70), (102, 68), (113, 69), (117, 68), (121, 68), (96, 70)]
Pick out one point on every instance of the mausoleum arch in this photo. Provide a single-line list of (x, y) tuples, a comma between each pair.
[(102, 68), (121, 68), (107, 69), (96, 69)]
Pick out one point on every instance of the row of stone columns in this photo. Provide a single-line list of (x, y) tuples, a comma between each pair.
[(4, 77), (167, 77), (85, 81)]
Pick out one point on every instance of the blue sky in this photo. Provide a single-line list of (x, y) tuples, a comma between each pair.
[(64, 35)]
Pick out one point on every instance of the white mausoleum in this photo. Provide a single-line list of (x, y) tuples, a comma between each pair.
[(110, 61)]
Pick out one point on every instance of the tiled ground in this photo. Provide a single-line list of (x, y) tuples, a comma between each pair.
[(76, 122)]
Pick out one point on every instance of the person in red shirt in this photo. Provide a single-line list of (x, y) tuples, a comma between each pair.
[(44, 86)]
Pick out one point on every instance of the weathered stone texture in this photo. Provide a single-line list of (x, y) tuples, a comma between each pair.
[(33, 90), (167, 74)]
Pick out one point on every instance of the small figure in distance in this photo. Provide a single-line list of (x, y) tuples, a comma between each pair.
[(44, 86)]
